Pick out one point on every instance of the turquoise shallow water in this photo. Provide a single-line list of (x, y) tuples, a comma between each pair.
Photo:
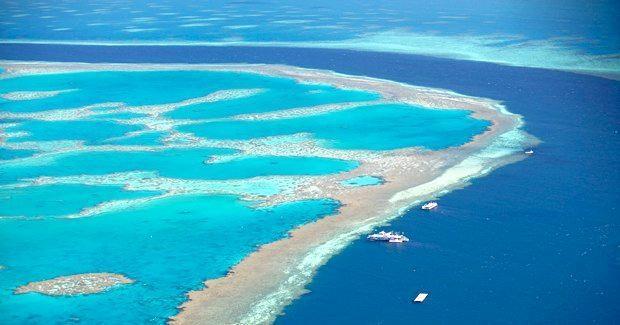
[(118, 116), (8, 154), (70, 130), (170, 245), (27, 202), (364, 180), (143, 139), (378, 127), (281, 94), (176, 163), (163, 87)]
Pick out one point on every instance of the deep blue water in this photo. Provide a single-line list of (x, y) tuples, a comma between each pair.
[(293, 20), (536, 241), (567, 35)]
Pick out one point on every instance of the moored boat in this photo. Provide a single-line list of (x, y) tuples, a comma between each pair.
[(380, 236), (398, 239), (430, 205), (389, 236)]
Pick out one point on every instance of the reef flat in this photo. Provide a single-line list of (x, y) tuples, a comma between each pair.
[(79, 284), (203, 151), (261, 285)]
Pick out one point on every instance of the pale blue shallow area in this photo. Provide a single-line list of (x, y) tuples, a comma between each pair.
[(119, 116), (143, 139), (176, 163), (62, 199), (164, 87), (93, 132), (8, 154), (377, 127), (364, 180), (282, 94), (169, 247)]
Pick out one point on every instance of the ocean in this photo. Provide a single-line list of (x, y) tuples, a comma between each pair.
[(536, 241), (156, 204), (572, 35)]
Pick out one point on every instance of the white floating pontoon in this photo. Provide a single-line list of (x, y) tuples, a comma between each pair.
[(430, 206), (420, 298)]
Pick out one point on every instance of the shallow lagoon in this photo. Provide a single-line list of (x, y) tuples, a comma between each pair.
[(364, 180), (92, 132), (61, 199), (177, 163), (377, 127), (8, 154), (169, 246), (166, 87)]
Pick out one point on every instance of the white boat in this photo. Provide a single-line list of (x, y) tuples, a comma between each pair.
[(430, 205), (381, 236), (388, 236), (421, 297), (398, 239), (529, 152)]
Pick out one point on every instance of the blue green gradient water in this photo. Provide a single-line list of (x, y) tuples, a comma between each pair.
[(169, 247), (172, 242)]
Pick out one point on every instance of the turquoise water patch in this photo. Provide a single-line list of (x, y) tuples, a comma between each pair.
[(283, 94), (376, 127), (57, 200), (163, 87), (169, 247), (118, 116), (8, 154), (177, 163), (92, 132), (144, 139), (364, 180)]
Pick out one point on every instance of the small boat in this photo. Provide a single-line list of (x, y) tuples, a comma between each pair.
[(529, 152), (430, 205), (398, 239), (420, 298), (381, 236), (389, 236)]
